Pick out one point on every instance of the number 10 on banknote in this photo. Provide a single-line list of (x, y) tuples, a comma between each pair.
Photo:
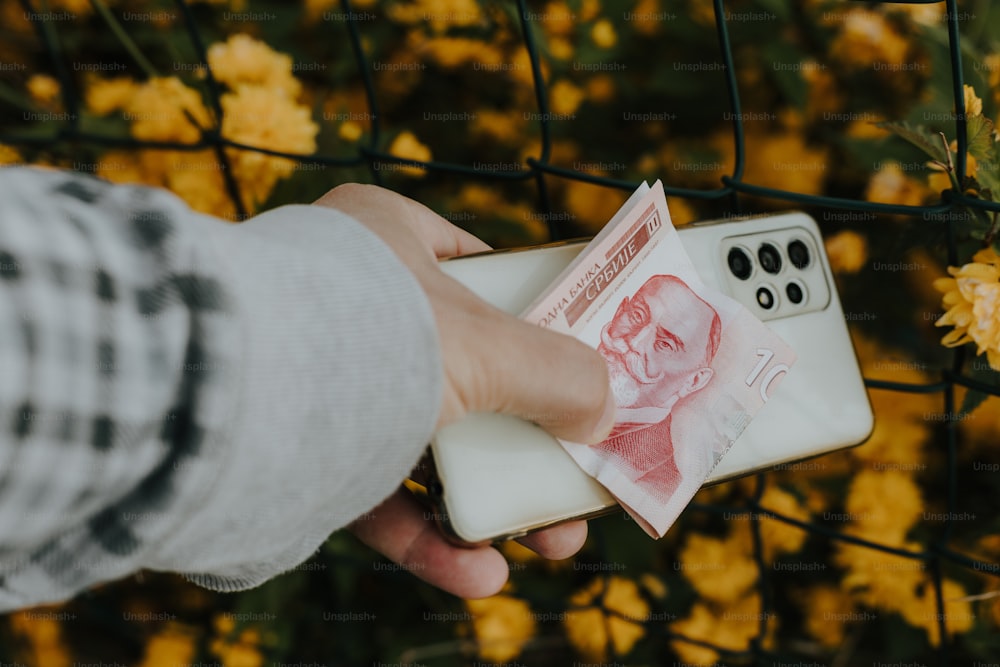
[(689, 366)]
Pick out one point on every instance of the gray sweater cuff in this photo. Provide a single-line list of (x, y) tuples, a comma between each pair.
[(337, 395)]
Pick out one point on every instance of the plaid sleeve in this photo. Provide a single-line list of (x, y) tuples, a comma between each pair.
[(143, 388)]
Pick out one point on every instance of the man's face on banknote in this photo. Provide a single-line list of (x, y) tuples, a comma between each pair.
[(660, 344)]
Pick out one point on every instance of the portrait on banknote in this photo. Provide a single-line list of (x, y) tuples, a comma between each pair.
[(659, 347)]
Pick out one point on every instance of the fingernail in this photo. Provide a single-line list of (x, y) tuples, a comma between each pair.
[(607, 421)]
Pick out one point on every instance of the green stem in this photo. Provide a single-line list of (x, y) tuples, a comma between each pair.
[(976, 212), (124, 38), (994, 230)]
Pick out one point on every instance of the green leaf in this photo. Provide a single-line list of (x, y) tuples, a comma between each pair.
[(921, 137), (973, 399), (980, 370), (980, 137)]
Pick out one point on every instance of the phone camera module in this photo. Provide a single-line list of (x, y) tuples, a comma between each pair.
[(765, 298), (794, 293), (769, 258), (740, 263), (798, 253)]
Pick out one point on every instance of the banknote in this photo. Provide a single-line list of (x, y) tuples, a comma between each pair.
[(689, 366)]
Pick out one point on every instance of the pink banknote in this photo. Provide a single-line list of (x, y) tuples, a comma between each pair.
[(689, 366)]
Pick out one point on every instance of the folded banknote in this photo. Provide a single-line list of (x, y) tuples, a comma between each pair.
[(689, 366)]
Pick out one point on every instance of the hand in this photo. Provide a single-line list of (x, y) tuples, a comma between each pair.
[(493, 362)]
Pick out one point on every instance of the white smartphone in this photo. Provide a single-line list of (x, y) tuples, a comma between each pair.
[(496, 477)]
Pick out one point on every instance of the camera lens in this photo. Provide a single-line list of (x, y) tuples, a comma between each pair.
[(794, 292), (769, 258), (798, 253), (765, 298), (739, 263)]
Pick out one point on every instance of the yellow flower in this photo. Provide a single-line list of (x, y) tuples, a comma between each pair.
[(404, 70), (164, 109), (901, 425), (439, 15), (847, 251), (196, 177), (866, 38), (560, 48), (826, 607), (778, 536), (972, 302), (891, 185), (591, 205), (171, 646), (645, 21), (42, 636), (883, 505), (825, 96), (350, 131), (122, 166), (502, 624), (681, 212), (243, 60), (879, 579), (866, 129), (43, 88), (106, 95), (703, 13), (654, 585), (564, 97), (784, 161), (601, 88), (559, 19), (732, 627), (973, 105), (588, 628), (517, 552), (255, 116), (406, 145), (589, 9), (520, 72), (982, 427), (450, 52), (9, 155), (488, 204), (701, 624), (241, 651), (958, 616), (899, 435), (604, 35), (314, 9), (930, 14), (715, 569), (503, 127)]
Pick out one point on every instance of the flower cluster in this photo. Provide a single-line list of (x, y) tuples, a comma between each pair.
[(259, 111), (972, 300)]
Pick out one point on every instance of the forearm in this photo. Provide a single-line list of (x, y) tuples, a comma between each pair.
[(189, 395)]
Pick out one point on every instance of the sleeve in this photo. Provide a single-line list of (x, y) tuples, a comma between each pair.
[(180, 393)]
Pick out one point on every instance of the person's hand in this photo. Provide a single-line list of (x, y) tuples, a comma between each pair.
[(493, 362)]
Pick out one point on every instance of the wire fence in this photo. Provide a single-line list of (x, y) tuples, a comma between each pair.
[(731, 193)]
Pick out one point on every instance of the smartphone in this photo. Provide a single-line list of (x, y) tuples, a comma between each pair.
[(494, 477)]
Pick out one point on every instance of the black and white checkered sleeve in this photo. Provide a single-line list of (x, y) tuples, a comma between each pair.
[(175, 392)]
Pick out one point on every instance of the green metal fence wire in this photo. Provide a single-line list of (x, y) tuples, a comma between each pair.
[(937, 554)]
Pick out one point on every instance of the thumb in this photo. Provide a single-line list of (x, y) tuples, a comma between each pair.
[(547, 378)]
